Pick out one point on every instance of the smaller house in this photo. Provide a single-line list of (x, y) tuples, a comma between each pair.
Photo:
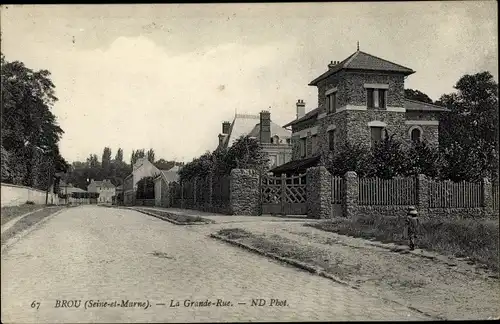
[(162, 182), (105, 189), (68, 188)]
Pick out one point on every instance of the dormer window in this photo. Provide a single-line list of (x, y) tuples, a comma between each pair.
[(331, 101)]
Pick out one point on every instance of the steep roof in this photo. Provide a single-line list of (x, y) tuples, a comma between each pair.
[(246, 124), (311, 114), (104, 184), (363, 61), (422, 106), (275, 130), (170, 175)]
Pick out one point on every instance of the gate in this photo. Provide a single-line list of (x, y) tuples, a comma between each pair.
[(284, 195), (337, 196)]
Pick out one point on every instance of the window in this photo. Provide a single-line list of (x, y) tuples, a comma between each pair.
[(381, 98), (377, 134), (416, 135), (331, 140), (303, 147), (331, 102), (369, 98), (314, 143)]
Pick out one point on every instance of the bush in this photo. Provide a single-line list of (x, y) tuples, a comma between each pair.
[(29, 202)]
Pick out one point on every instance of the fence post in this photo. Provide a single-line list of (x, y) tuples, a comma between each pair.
[(351, 193), (244, 192), (487, 194), (319, 192), (422, 195), (283, 193)]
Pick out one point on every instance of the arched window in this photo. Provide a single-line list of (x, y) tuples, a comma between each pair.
[(416, 135)]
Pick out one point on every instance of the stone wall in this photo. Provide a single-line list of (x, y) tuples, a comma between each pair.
[(14, 195), (245, 193)]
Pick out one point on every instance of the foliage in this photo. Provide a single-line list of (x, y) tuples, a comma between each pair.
[(106, 159), (136, 155), (387, 159), (350, 157), (119, 155), (145, 188), (245, 153), (417, 95), (162, 164), (5, 165), (151, 155), (469, 132), (28, 126)]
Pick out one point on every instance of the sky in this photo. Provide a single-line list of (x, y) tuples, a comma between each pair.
[(166, 76)]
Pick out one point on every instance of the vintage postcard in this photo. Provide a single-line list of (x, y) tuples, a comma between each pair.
[(233, 162)]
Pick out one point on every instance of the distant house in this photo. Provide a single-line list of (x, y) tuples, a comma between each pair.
[(359, 98), (274, 139), (162, 181), (141, 169), (67, 188), (105, 188)]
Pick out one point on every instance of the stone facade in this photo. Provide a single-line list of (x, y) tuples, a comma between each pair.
[(319, 192), (245, 193), (352, 119)]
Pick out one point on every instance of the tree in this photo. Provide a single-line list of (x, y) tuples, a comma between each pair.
[(119, 156), (469, 132), (417, 95), (106, 161), (28, 125), (389, 158), (151, 155), (145, 188), (350, 157)]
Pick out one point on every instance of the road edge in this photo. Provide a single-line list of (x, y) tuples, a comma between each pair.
[(317, 271), (16, 238)]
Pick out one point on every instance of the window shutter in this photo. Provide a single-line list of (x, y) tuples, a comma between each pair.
[(381, 98), (369, 98)]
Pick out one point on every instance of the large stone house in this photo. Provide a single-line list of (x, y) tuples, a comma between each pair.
[(274, 140), (358, 99), (105, 188)]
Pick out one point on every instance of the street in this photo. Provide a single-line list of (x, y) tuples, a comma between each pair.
[(111, 255)]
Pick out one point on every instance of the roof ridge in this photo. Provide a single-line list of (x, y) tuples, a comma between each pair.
[(423, 102), (402, 66)]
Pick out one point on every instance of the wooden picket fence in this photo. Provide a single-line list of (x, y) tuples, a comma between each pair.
[(396, 191), (448, 194)]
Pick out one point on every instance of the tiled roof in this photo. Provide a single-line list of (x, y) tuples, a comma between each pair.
[(364, 61), (422, 106), (275, 130), (297, 165), (311, 114), (246, 124), (169, 175)]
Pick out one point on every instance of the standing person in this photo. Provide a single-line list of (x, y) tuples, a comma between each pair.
[(412, 225)]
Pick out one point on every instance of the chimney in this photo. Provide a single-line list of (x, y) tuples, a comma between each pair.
[(332, 64), (301, 108), (265, 127), (225, 127), (221, 140)]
